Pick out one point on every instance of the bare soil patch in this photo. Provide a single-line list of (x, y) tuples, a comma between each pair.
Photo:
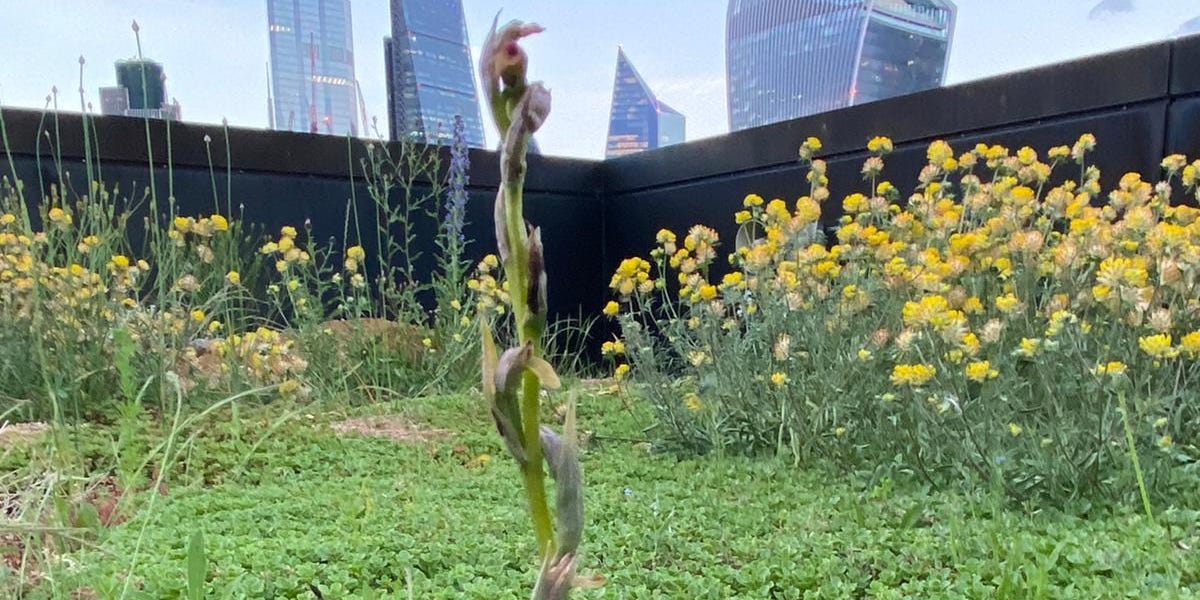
[(389, 427), (11, 433)]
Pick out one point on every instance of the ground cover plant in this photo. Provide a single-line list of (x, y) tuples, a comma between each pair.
[(990, 327), (359, 515)]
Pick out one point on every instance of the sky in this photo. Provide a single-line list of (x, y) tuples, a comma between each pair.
[(215, 51)]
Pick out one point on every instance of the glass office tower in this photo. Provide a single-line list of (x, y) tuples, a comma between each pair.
[(787, 59), (430, 74), (638, 120), (312, 66)]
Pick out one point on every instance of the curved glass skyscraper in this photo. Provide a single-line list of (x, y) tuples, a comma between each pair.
[(430, 77), (639, 121), (787, 59)]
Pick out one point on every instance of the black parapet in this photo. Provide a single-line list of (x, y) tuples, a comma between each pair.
[(1141, 103)]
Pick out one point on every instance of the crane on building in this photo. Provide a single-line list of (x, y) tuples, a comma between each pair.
[(312, 73), (270, 103)]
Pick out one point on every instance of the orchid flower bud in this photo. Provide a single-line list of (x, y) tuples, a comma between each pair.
[(500, 220), (554, 582), (536, 298), (527, 117), (562, 458), (504, 387)]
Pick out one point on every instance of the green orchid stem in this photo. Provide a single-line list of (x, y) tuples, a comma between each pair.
[(1133, 456), (517, 271), (535, 475)]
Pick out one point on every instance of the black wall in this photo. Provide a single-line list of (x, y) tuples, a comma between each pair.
[(1141, 103)]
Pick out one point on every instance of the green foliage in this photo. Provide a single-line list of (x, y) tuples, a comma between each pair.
[(362, 517)]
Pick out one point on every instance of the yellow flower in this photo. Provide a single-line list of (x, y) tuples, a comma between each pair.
[(428, 343), (616, 347), (880, 145), (1158, 346), (1007, 303), (1029, 347), (1113, 368), (1190, 344), (1027, 156), (288, 231), (779, 379), (733, 280), (665, 236), (621, 372), (913, 375), (752, 200), (708, 292), (58, 216), (220, 223), (938, 152), (839, 432), (215, 326), (972, 306), (1014, 429), (356, 252), (741, 216), (611, 308), (197, 315), (119, 262), (864, 354), (233, 278), (692, 402), (980, 371)]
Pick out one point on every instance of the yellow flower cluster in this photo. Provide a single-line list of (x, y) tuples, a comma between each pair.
[(984, 249), (633, 275), (913, 375), (265, 355), (285, 250), (491, 296)]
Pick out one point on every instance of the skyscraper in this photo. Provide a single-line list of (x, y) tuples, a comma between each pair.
[(141, 91), (639, 121), (787, 59), (312, 66), (1190, 27), (430, 78)]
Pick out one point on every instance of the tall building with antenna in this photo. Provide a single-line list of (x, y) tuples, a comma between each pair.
[(312, 66)]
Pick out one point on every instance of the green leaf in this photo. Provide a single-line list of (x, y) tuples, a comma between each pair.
[(197, 567)]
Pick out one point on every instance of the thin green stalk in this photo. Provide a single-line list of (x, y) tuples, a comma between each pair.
[(228, 170), (535, 475), (1133, 455), (87, 145), (516, 270)]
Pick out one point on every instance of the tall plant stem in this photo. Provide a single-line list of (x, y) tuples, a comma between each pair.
[(1133, 455), (518, 286)]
